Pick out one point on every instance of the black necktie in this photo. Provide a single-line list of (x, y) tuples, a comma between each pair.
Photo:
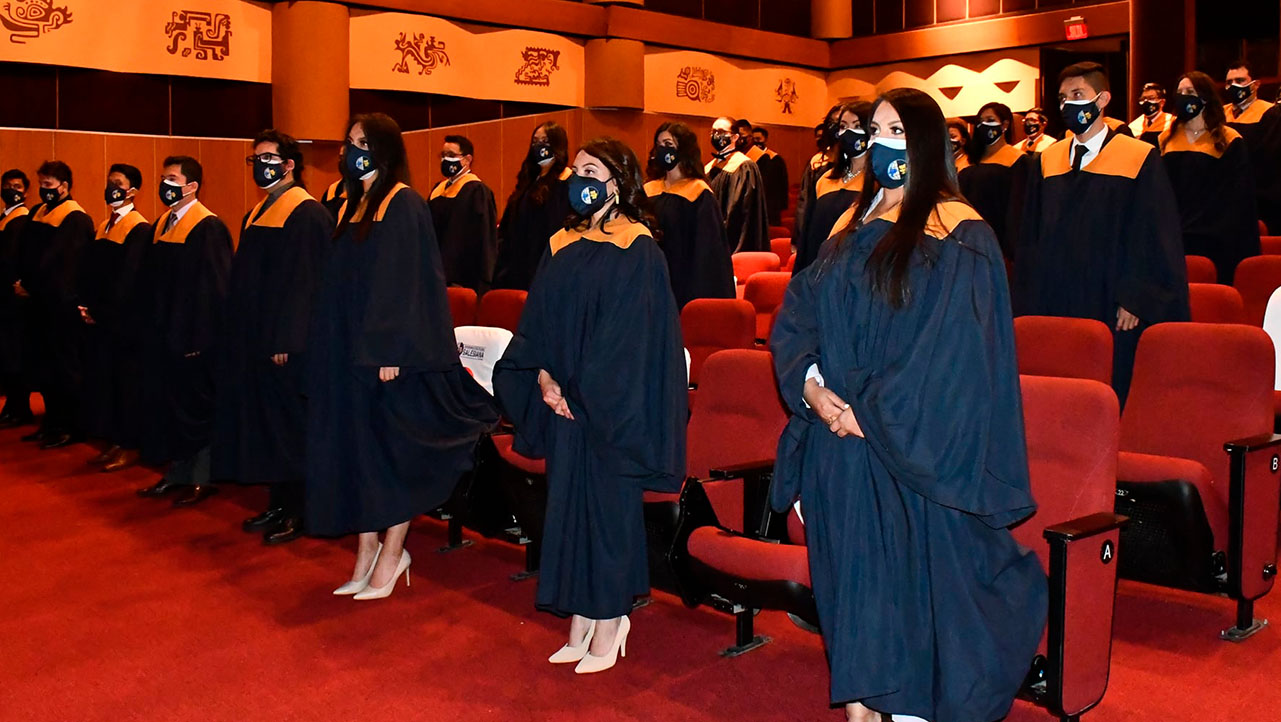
[(1079, 156), (111, 222), (173, 221)]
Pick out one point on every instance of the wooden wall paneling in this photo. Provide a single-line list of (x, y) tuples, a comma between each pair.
[(26, 150), (86, 154), (321, 160), (226, 178), (415, 149), (488, 161), (138, 151)]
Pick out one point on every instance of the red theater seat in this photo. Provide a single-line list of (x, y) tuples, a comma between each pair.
[(747, 263), (462, 305), (1270, 245), (1203, 519), (765, 292), (709, 325), (782, 247), (1215, 303), (779, 232), (1077, 348), (1201, 270), (1256, 278), (1263, 228), (501, 307)]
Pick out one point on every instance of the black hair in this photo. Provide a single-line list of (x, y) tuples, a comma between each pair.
[(863, 110), (742, 123), (530, 178), (1215, 118), (463, 142), (963, 128), (931, 179), (387, 147), (631, 200), (1156, 87), (13, 173), (977, 148), (287, 147), (189, 167), (1039, 111), (689, 155), (131, 174), (57, 170), (1093, 73), (1242, 63), (762, 130)]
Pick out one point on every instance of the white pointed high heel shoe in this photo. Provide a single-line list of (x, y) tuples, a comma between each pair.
[(402, 567), (568, 654), (356, 586), (591, 663)]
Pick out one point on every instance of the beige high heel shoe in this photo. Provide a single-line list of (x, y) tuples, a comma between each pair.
[(592, 663), (569, 654), (356, 586), (402, 567)]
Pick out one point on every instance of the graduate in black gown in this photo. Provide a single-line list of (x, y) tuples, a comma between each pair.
[(895, 352), (185, 277), (773, 173), (818, 164), (14, 308), (1153, 121), (958, 138), (838, 189), (108, 306), (333, 198), (1209, 168), (739, 189), (595, 382), (1099, 237), (1036, 132), (261, 427), (52, 244), (535, 210), (994, 180), (462, 207), (690, 229), (1259, 123), (393, 418)]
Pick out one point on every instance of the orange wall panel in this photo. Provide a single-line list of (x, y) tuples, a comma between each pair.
[(140, 152), (227, 185), (26, 150), (86, 154)]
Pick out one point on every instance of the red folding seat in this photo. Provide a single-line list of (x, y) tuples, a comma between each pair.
[(1079, 348), (1215, 303), (1201, 270), (501, 308), (462, 305), (782, 247), (765, 292), (1270, 245), (779, 232), (1263, 228), (1256, 278), (1203, 519), (747, 263), (709, 325)]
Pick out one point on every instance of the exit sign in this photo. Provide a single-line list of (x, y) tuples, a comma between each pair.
[(1075, 28)]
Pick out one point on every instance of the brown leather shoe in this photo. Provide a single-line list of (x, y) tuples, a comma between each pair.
[(123, 459)]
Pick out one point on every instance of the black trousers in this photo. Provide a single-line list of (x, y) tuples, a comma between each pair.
[(287, 495)]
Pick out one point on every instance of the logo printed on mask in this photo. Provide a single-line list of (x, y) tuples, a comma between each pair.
[(1079, 115), (11, 196), (666, 157), (889, 162), (115, 195), (1189, 107), (586, 195), (170, 192)]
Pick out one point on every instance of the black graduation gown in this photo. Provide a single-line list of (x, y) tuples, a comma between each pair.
[(817, 167), (525, 227), (467, 227), (1150, 133), (774, 179), (12, 309), (602, 321), (927, 604), (333, 198), (740, 191), (380, 453), (692, 236), (1260, 126), (832, 197), (52, 244), (1216, 200), (111, 398), (994, 186), (185, 273), (261, 421), (1102, 237)]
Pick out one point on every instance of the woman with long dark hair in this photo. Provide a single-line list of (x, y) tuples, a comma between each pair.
[(819, 164), (836, 190), (958, 134), (1209, 169), (895, 351), (535, 210), (992, 182), (595, 382), (689, 222), (393, 418)]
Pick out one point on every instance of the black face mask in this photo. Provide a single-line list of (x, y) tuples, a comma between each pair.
[(1031, 127), (743, 144), (541, 153), (49, 195), (1148, 107), (853, 142), (760, 144), (170, 193), (1079, 115), (266, 174), (956, 145), (1238, 94), (666, 158), (450, 167), (115, 194), (721, 141), (1188, 106), (12, 197), (357, 162), (988, 133)]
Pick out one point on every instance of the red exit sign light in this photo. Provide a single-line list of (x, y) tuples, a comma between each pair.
[(1075, 28)]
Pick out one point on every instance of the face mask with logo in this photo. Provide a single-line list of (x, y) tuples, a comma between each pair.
[(1031, 128), (115, 196), (586, 195), (1189, 106), (853, 142), (888, 159), (956, 145), (1148, 107), (359, 163), (989, 132), (12, 197), (1079, 115), (49, 195), (268, 174), (541, 153), (451, 167), (666, 157), (1238, 94), (170, 192), (721, 141)]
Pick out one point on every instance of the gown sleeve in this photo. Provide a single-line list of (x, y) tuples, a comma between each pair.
[(746, 223), (1244, 229), (306, 242), (211, 243), (713, 265), (516, 374), (479, 225), (1152, 283)]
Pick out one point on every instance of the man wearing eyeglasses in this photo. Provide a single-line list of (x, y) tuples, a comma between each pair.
[(1259, 123)]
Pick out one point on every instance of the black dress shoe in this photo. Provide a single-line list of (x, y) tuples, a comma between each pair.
[(266, 520), (57, 441), (160, 488), (107, 454), (38, 435), (10, 421), (289, 529), (197, 494)]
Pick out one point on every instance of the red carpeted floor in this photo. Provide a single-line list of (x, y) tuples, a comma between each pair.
[(121, 608)]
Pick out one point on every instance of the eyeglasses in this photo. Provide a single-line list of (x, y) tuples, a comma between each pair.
[(264, 157)]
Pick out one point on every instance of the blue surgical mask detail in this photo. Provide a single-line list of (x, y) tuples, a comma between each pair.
[(358, 162), (888, 158), (586, 195), (1079, 115), (853, 142)]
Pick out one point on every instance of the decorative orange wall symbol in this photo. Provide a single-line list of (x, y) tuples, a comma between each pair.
[(29, 19), (208, 35), (538, 66), (696, 83), (427, 52), (786, 94)]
